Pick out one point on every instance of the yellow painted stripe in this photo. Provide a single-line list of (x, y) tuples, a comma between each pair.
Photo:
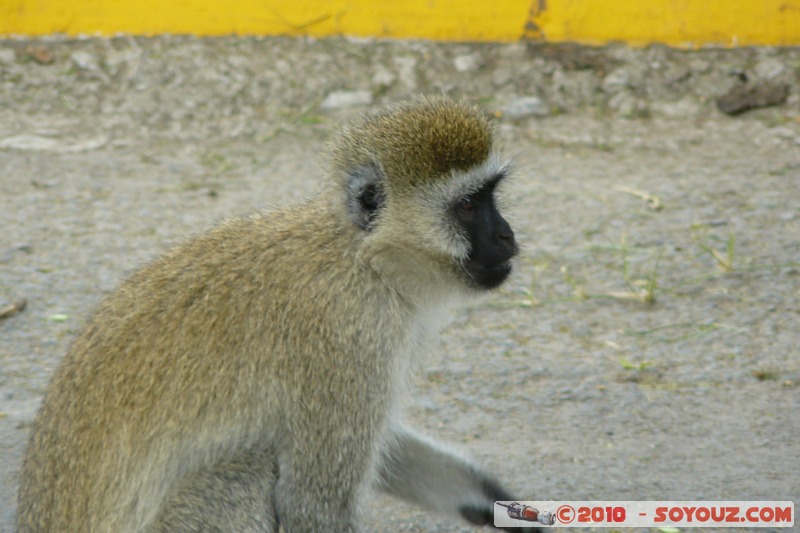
[(675, 22), (435, 19)]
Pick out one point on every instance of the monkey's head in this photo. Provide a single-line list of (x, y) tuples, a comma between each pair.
[(419, 179)]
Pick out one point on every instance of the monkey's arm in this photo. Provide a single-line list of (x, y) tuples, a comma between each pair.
[(419, 470)]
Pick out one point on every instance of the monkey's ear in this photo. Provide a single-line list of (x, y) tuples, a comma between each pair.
[(365, 195)]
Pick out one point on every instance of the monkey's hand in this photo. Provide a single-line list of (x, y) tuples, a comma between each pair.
[(481, 516)]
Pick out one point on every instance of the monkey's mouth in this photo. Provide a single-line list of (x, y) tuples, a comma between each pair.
[(487, 276)]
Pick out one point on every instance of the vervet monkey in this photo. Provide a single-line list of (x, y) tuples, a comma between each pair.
[(251, 378)]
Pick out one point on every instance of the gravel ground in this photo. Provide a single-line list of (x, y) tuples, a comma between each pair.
[(646, 347)]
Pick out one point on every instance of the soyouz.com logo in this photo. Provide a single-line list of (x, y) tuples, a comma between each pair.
[(645, 514)]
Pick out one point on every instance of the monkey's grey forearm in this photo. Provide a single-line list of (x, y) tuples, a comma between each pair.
[(419, 470)]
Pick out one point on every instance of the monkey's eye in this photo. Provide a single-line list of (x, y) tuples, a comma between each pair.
[(466, 205)]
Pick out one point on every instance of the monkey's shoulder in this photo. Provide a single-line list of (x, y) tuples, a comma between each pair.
[(263, 260)]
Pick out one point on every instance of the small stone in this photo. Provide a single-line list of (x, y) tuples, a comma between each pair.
[(126, 60), (7, 56), (406, 71), (526, 106), (769, 69), (501, 76), (782, 132), (383, 77), (699, 65), (616, 80), (745, 96), (676, 73), (9, 309), (40, 54), (467, 63), (37, 143), (624, 103), (28, 142), (343, 99), (683, 108), (84, 61)]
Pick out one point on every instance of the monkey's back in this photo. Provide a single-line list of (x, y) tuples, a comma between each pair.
[(201, 333)]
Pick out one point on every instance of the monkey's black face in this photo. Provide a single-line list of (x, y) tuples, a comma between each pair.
[(492, 243)]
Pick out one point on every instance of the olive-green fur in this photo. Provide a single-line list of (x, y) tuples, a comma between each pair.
[(415, 142), (254, 373)]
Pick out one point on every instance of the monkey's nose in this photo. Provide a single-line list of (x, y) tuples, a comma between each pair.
[(506, 234), (504, 231)]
